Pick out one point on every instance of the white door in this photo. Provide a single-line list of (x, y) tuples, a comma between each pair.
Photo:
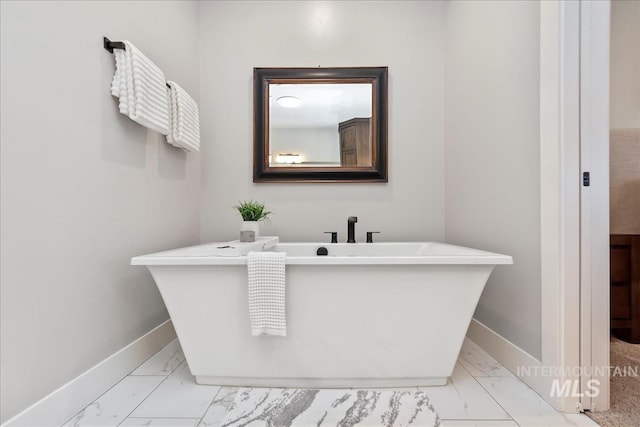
[(594, 203)]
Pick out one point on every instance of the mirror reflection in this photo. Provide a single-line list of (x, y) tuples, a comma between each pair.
[(320, 124)]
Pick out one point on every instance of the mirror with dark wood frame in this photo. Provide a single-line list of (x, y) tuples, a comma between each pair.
[(320, 124)]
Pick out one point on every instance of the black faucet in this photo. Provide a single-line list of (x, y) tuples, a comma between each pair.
[(334, 236), (351, 229)]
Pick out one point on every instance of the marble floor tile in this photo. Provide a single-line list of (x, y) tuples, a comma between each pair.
[(114, 405), (463, 398), (480, 393), (153, 422), (220, 405), (580, 420), (177, 397), (526, 407), (308, 407), (479, 363), (479, 423), (164, 362)]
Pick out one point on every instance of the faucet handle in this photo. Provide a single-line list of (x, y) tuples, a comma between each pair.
[(370, 236), (334, 236)]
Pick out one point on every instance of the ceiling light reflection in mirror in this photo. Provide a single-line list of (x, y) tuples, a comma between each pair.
[(304, 120)]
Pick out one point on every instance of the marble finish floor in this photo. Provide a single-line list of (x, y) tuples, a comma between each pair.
[(481, 393)]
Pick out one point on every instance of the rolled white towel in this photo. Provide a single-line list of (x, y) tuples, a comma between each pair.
[(140, 86), (184, 123)]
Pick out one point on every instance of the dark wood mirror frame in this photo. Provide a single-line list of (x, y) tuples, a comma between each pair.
[(263, 172)]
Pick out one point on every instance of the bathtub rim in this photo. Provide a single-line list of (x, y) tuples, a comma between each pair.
[(170, 258)]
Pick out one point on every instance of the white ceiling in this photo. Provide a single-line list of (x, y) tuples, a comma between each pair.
[(323, 105)]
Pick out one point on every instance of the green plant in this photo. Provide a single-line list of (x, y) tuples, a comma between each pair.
[(253, 211)]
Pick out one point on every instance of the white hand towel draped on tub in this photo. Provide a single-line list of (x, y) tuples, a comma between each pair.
[(266, 293), (184, 126), (142, 89)]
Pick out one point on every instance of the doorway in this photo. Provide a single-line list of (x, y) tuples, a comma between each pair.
[(610, 210)]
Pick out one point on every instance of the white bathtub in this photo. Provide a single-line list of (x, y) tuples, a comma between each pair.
[(367, 315)]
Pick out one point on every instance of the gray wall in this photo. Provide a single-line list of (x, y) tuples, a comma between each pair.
[(406, 36), (492, 179), (624, 141), (84, 188), (315, 144), (625, 64)]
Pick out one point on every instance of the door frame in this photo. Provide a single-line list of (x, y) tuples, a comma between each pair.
[(564, 27), (594, 230)]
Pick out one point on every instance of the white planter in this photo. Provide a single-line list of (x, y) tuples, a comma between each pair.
[(251, 226)]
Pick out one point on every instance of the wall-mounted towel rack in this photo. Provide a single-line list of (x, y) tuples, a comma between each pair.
[(109, 46)]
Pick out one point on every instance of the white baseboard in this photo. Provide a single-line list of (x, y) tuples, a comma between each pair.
[(510, 355), (62, 404)]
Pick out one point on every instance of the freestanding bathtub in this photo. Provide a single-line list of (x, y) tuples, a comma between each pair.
[(366, 315)]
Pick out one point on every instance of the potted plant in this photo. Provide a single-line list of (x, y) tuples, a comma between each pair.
[(252, 213)]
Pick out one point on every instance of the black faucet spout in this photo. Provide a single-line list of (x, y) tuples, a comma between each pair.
[(351, 229)]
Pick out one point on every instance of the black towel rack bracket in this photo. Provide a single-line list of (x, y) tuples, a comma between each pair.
[(109, 45)]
